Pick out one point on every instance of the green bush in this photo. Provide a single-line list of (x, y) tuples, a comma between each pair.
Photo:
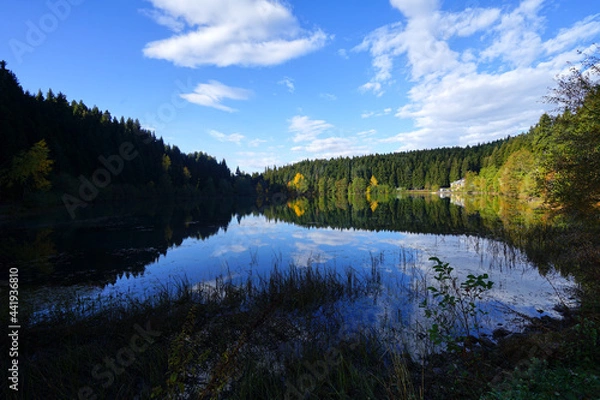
[(538, 381)]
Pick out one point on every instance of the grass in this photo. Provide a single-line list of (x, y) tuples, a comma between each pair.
[(283, 336), (538, 381), (277, 335)]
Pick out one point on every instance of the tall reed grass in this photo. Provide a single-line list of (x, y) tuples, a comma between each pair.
[(278, 335)]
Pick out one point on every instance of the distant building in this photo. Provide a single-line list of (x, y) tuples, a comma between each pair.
[(458, 185)]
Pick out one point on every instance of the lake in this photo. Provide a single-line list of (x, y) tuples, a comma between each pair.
[(134, 251)]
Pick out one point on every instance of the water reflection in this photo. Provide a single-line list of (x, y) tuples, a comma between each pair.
[(134, 251), (105, 242)]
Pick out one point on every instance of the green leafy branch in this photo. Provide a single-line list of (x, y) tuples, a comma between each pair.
[(452, 307)]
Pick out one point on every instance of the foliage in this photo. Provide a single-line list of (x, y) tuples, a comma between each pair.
[(573, 88), (453, 308), (584, 343), (573, 162), (358, 187), (418, 214), (557, 160), (422, 169), (299, 206), (187, 174), (515, 175), (166, 162), (29, 169), (538, 382), (299, 183), (84, 140), (373, 181)]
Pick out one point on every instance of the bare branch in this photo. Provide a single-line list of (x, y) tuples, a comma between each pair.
[(573, 88)]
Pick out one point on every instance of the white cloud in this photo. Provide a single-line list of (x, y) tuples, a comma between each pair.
[(370, 132), (257, 161), (369, 114), (421, 39), (221, 137), (164, 19), (375, 87), (226, 249), (415, 8), (489, 87), (584, 30), (230, 32), (330, 237), (468, 22), (289, 83), (473, 109), (328, 96), (307, 134), (306, 129), (333, 147), (212, 93), (518, 38), (256, 142), (343, 53)]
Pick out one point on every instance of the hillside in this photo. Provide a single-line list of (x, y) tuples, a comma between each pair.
[(56, 151), (77, 154), (556, 161)]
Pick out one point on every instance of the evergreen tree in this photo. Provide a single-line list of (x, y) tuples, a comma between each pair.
[(78, 139)]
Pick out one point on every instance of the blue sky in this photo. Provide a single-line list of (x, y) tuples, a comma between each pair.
[(266, 82)]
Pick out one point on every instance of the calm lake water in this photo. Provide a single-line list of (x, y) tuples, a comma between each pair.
[(135, 251)]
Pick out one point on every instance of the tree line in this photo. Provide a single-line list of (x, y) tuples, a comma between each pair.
[(556, 161), (413, 170), (83, 154)]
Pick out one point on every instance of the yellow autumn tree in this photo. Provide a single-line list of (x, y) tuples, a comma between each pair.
[(29, 169), (166, 162), (299, 183), (373, 181), (299, 206), (186, 174), (516, 175), (373, 205)]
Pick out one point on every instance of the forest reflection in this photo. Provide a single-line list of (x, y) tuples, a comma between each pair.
[(110, 241), (548, 240)]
